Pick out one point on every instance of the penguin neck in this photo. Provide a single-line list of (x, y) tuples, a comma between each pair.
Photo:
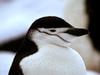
[(51, 51), (44, 44)]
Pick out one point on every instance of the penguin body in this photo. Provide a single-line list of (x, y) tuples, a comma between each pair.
[(45, 50), (53, 60)]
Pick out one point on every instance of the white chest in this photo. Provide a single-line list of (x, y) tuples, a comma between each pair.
[(51, 60)]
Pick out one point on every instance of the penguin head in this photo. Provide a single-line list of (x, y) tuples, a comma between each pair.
[(53, 30)]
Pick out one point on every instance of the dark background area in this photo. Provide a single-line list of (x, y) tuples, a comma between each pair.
[(94, 23)]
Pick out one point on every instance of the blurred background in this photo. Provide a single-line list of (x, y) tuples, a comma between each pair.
[(16, 16)]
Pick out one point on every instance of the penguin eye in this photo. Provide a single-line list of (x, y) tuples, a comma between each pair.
[(52, 30)]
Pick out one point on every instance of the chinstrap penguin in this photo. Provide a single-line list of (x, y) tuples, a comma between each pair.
[(45, 49)]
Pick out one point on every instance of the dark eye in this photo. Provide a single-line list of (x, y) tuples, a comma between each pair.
[(52, 30)]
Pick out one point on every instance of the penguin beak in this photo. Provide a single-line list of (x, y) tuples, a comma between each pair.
[(77, 31)]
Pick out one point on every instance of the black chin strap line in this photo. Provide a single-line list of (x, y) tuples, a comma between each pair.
[(53, 35)]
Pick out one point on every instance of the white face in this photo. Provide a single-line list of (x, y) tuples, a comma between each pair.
[(55, 36)]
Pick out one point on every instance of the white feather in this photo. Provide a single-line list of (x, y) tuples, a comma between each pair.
[(53, 60)]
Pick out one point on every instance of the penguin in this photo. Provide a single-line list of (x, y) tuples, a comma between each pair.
[(45, 49)]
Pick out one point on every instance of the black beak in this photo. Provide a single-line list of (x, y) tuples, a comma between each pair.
[(77, 31)]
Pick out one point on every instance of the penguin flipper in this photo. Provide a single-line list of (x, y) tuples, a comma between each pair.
[(15, 68), (26, 49)]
